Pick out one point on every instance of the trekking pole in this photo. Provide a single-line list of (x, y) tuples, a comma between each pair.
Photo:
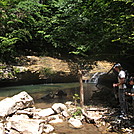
[(111, 69)]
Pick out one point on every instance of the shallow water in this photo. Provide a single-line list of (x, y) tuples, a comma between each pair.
[(38, 91), (42, 88)]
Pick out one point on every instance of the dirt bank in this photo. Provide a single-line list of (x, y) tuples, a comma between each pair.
[(35, 70)]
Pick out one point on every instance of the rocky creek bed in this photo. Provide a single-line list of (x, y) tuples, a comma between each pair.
[(18, 115)]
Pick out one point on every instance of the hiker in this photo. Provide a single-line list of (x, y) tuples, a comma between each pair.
[(131, 82), (121, 88)]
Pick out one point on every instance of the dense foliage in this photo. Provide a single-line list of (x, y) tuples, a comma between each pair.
[(89, 28)]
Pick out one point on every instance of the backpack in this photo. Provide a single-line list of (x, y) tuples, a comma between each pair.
[(127, 79)]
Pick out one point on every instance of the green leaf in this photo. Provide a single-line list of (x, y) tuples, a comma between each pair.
[(41, 32), (47, 36)]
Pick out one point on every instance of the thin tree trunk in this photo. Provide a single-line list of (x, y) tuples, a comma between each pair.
[(81, 89)]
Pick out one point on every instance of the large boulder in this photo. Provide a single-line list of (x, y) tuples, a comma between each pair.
[(22, 124), (11, 105), (107, 80)]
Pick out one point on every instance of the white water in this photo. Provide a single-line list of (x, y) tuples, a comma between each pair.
[(94, 78)]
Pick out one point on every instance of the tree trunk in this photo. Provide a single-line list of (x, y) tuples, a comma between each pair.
[(81, 89)]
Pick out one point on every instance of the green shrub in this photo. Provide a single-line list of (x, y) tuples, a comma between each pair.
[(77, 112), (16, 70), (47, 72), (10, 75), (2, 67)]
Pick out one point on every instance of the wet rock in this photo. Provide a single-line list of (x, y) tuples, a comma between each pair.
[(60, 94), (52, 95), (20, 101), (48, 96)]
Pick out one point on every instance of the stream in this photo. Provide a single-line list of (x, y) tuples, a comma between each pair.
[(40, 90)]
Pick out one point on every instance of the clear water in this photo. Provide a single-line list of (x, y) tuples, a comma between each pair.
[(38, 91), (41, 88)]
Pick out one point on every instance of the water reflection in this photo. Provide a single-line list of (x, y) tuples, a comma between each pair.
[(38, 91)]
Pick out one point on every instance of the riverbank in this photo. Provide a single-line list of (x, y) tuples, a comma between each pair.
[(37, 70)]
